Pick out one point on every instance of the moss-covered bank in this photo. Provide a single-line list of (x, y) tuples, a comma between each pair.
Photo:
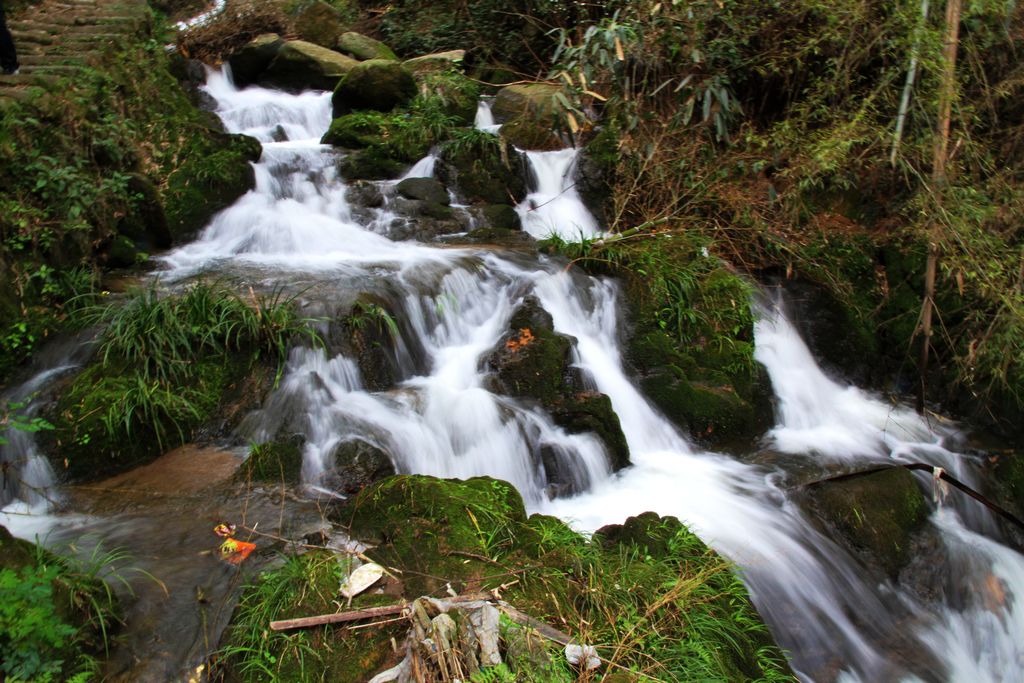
[(653, 597)]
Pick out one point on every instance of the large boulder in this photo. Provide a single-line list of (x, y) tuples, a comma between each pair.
[(250, 61), (321, 24), (526, 133), (378, 84), (300, 65), (363, 48), (537, 101)]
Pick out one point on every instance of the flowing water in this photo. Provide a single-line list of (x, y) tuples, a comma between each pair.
[(452, 304)]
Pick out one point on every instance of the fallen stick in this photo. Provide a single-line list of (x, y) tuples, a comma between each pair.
[(360, 614)]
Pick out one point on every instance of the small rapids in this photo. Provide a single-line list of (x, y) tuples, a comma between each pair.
[(442, 415)]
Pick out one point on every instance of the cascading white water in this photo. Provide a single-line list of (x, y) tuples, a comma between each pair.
[(424, 168), (554, 206), (442, 416), (484, 119)]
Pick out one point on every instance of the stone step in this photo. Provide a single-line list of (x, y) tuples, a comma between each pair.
[(46, 59), (38, 37), (44, 80), (55, 69)]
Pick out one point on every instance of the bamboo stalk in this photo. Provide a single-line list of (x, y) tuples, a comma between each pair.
[(908, 86)]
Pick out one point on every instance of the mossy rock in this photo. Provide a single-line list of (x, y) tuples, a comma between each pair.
[(589, 411), (277, 461), (425, 189), (437, 61), (537, 102), (363, 48), (458, 94), (876, 513), (417, 522), (527, 134), (301, 65), (250, 61), (501, 217), (595, 172), (370, 164), (511, 239), (377, 84), (482, 171), (1008, 478), (648, 532), (321, 24), (713, 415), (206, 184), (531, 359)]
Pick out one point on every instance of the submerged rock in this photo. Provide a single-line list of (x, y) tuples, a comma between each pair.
[(301, 65), (357, 464)]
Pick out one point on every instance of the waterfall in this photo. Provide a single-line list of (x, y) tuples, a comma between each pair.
[(554, 207), (442, 415), (424, 168), (484, 119)]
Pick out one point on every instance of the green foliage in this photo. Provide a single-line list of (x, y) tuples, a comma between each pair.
[(10, 418), (31, 632), (164, 363)]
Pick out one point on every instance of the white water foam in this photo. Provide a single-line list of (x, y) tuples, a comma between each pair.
[(554, 207)]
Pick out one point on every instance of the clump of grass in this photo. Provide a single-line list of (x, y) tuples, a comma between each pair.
[(165, 362)]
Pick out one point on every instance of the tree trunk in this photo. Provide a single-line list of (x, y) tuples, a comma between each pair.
[(947, 91)]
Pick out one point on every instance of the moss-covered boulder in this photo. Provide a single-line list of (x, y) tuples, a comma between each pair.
[(370, 164), (501, 217), (204, 185), (875, 514), (482, 169), (536, 101), (526, 133), (436, 61), (425, 189), (377, 84), (648, 532), (451, 91), (145, 222), (534, 362), (424, 525), (361, 47), (301, 65), (321, 24), (250, 61)]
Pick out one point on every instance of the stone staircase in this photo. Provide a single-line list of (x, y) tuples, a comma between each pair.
[(57, 39)]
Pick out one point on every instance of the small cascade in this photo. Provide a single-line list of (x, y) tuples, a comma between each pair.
[(554, 207), (424, 168), (484, 119)]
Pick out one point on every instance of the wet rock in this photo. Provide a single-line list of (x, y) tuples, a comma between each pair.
[(532, 360), (499, 237), (595, 173), (363, 48), (501, 217), (357, 464), (876, 514), (365, 194), (486, 171), (370, 164), (425, 189), (321, 24), (301, 65), (526, 133), (589, 411), (250, 61), (377, 84)]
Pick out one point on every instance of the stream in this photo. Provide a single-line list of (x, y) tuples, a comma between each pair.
[(452, 303)]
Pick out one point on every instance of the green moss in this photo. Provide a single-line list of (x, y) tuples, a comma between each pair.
[(480, 169), (377, 84), (877, 513), (450, 92)]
